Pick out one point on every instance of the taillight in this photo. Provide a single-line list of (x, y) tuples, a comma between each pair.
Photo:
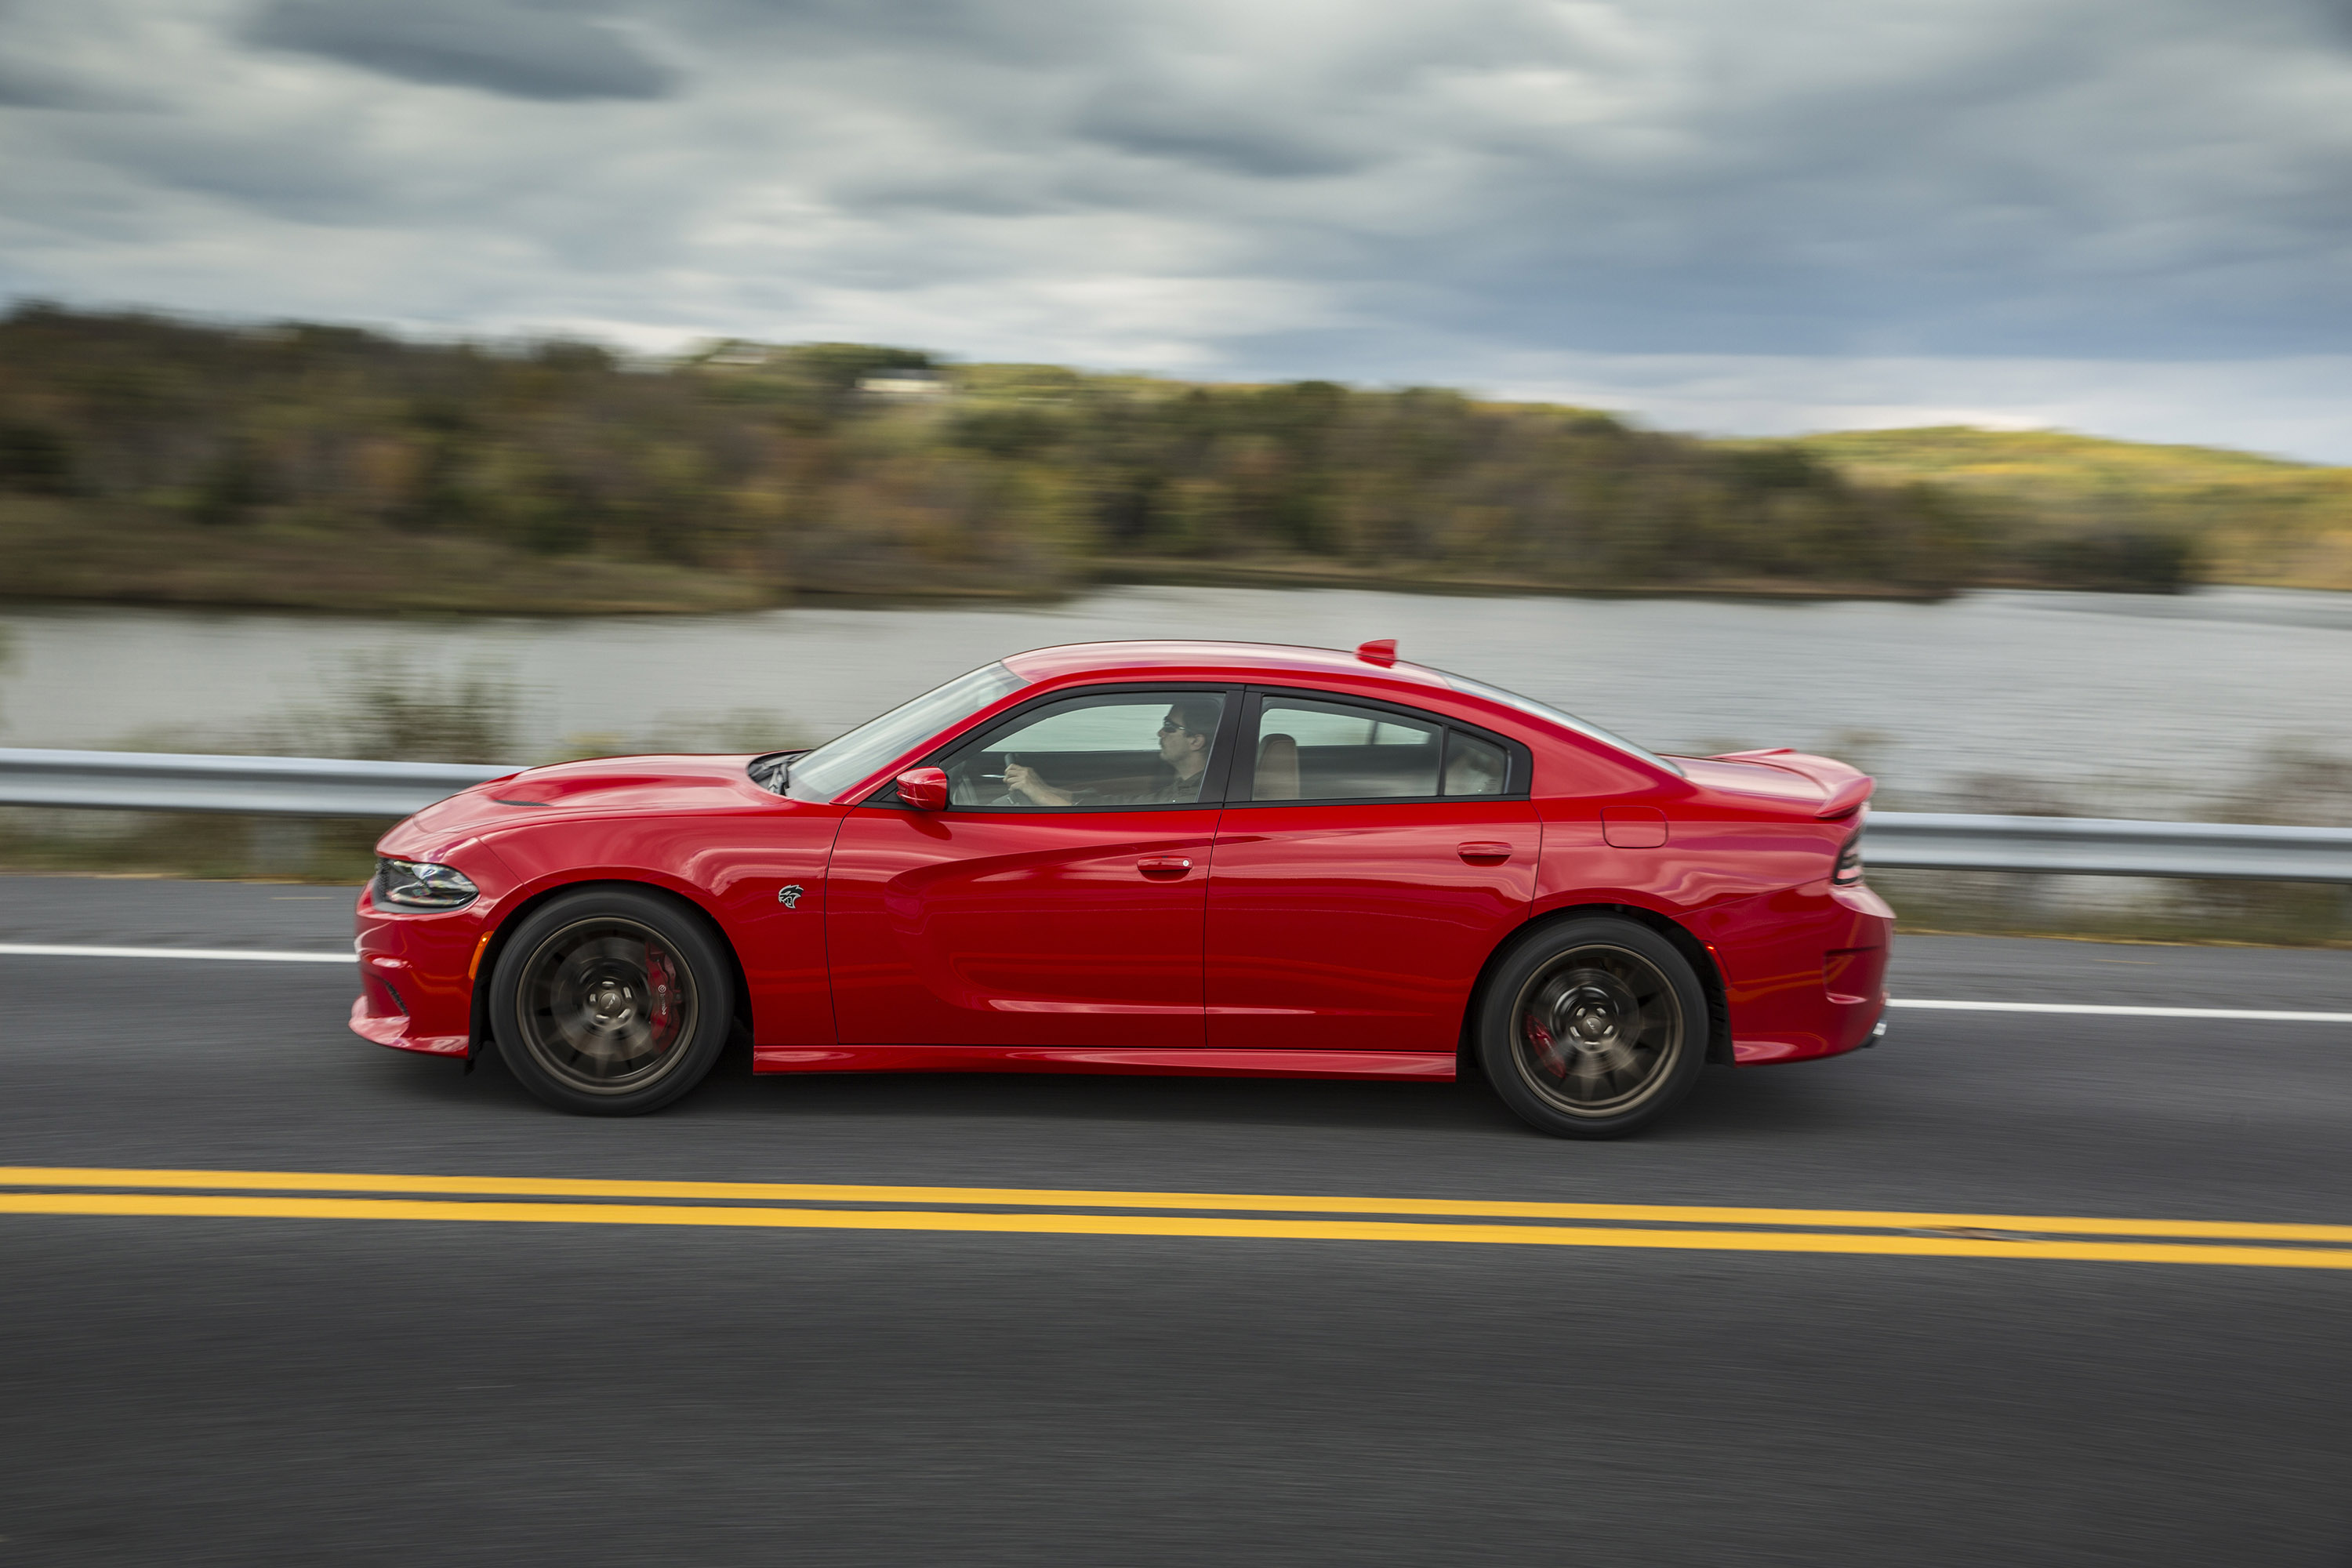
[(1849, 861)]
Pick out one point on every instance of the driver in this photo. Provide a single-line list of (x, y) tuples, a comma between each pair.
[(1185, 737)]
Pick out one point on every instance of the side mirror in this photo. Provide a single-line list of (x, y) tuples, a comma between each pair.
[(925, 789)]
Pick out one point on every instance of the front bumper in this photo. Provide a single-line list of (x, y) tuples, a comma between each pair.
[(416, 988)]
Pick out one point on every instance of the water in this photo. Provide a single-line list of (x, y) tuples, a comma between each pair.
[(2111, 703)]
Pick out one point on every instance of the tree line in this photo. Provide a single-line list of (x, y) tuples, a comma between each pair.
[(857, 468)]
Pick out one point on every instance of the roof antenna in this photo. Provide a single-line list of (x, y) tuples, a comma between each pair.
[(1383, 652)]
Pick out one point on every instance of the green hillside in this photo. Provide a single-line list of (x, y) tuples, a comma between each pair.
[(2252, 519)]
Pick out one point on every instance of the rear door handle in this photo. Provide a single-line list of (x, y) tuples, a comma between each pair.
[(1485, 852), (1163, 865)]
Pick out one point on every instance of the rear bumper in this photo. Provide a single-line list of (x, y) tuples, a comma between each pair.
[(1823, 991)]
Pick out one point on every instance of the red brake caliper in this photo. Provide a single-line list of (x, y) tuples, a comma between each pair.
[(658, 973), (1541, 1038)]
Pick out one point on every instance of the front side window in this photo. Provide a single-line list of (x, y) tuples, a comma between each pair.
[(1099, 753), (843, 761)]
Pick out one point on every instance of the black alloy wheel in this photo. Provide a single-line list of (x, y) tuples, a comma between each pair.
[(611, 1002), (1593, 1027)]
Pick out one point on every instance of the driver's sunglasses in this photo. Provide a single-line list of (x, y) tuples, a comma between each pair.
[(1170, 727)]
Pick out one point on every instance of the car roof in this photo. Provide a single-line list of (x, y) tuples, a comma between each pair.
[(1247, 661)]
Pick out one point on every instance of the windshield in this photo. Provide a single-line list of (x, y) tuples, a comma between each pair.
[(1546, 710), (841, 761)]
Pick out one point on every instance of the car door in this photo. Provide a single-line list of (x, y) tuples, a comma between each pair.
[(1369, 860), (1068, 916)]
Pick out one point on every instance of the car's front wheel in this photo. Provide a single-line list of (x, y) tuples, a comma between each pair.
[(610, 1002), (1593, 1027)]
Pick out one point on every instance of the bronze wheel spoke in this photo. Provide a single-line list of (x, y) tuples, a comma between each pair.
[(1601, 1031), (605, 1004)]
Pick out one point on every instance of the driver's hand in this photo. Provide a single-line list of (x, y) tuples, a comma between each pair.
[(1021, 780)]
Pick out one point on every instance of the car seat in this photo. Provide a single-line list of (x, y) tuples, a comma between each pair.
[(1277, 769)]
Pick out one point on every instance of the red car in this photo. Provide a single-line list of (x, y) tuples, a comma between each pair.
[(1146, 857)]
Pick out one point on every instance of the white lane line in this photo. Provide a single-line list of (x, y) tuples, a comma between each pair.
[(2124, 1012), (230, 955)]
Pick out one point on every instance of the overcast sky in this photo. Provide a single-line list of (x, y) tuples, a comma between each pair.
[(2128, 217)]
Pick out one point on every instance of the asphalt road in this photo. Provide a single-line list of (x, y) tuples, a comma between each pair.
[(193, 1390)]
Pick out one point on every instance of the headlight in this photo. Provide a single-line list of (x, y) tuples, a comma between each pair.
[(420, 885)]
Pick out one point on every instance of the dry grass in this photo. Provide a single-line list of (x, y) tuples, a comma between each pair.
[(2119, 909), (53, 551)]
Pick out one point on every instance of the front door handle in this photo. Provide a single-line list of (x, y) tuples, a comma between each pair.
[(1163, 865), (1483, 852)]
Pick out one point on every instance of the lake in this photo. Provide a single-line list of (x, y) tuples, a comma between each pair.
[(2117, 704)]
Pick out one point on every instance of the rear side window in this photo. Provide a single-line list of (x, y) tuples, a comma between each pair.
[(1338, 751), (1566, 721), (1315, 748), (1474, 765)]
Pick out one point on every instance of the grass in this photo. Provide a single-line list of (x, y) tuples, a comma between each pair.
[(195, 846), (2118, 909)]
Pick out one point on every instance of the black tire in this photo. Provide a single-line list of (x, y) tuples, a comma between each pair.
[(611, 1001), (1593, 1028)]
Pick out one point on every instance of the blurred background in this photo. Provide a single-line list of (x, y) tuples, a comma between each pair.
[(1959, 390), (1957, 387)]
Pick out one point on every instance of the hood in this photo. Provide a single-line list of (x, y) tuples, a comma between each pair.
[(1830, 787), (665, 784)]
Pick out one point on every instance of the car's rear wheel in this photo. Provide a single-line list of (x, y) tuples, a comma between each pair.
[(610, 1002), (1593, 1027)]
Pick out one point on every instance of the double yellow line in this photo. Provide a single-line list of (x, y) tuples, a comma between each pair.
[(332, 1196)]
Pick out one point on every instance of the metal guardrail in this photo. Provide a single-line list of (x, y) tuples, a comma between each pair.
[(274, 786), (318, 786), (2102, 846)]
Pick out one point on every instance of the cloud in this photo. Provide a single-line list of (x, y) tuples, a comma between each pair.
[(33, 88), (2284, 405), (1233, 138), (518, 51), (1508, 194)]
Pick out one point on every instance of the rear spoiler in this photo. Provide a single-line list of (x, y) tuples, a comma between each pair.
[(1847, 798), (1847, 787)]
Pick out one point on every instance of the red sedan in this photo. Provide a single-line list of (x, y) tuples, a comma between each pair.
[(1146, 857)]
